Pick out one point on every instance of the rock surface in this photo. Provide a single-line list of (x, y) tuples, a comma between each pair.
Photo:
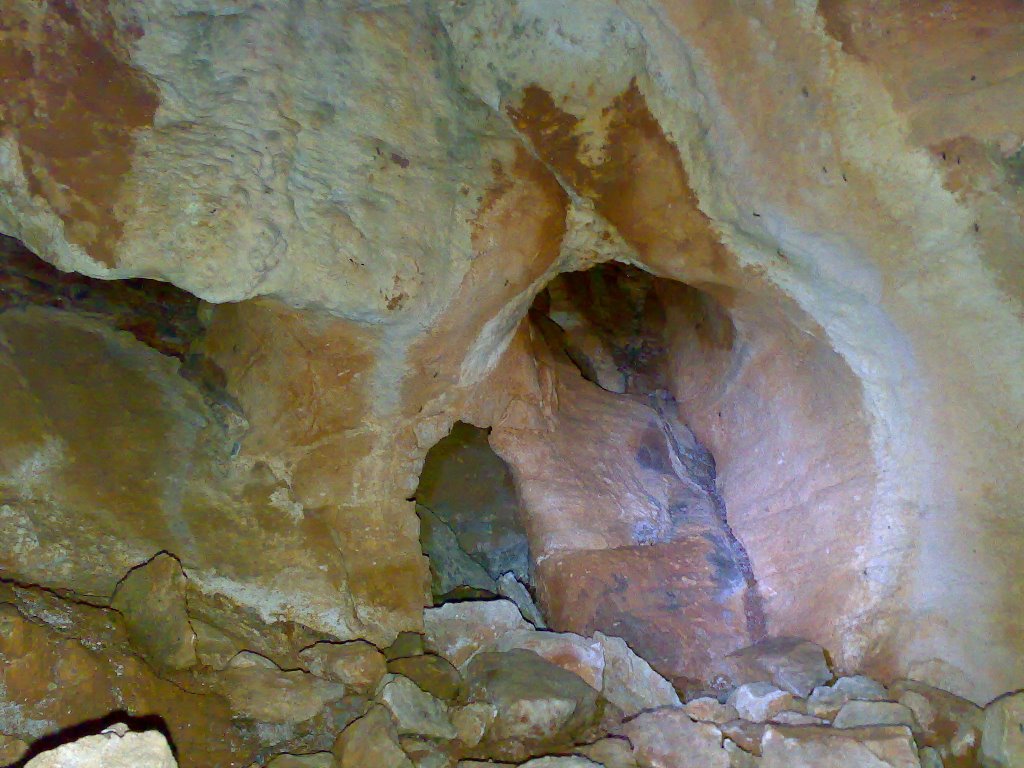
[(668, 738), (792, 664), (813, 747), (370, 740), (457, 631), (759, 702), (415, 712), (356, 664), (1002, 742)]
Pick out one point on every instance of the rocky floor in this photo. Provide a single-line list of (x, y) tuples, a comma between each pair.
[(480, 687)]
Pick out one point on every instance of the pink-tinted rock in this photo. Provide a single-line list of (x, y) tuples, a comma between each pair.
[(759, 702), (819, 747), (794, 665), (668, 738), (629, 681), (708, 710), (457, 631)]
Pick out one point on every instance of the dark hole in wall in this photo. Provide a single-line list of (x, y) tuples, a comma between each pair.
[(471, 527)]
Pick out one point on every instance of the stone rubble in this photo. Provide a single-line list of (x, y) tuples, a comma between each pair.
[(115, 747)]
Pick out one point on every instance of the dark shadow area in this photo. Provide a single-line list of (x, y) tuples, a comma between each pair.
[(93, 727)]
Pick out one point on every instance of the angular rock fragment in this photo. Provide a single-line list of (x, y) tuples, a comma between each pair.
[(372, 740), (539, 707), (819, 747), (740, 758), (213, 648), (573, 761), (630, 683), (116, 747), (456, 631), (471, 721), (789, 717), (948, 723), (431, 673), (356, 664), (513, 589), (792, 664), (611, 752), (569, 651), (416, 712), (406, 644), (257, 689), (151, 598), (746, 734), (709, 710), (668, 738), (759, 702), (1002, 741), (450, 566), (826, 701), (855, 714)]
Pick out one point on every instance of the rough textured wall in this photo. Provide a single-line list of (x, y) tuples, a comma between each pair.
[(399, 180)]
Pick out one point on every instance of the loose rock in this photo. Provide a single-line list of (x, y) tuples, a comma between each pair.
[(817, 747), (569, 651), (792, 664), (357, 664), (512, 588), (457, 631), (950, 724), (709, 710), (1002, 741), (612, 752), (759, 702), (859, 713), (114, 748), (372, 740), (415, 711), (471, 721), (314, 760), (431, 673), (826, 701), (668, 738), (256, 689), (630, 683)]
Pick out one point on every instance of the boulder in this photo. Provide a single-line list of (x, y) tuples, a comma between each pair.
[(759, 702), (456, 631), (372, 740), (668, 738), (539, 707), (1002, 741), (785, 746), (257, 689), (415, 711), (949, 724), (855, 714), (792, 664), (151, 597), (116, 747), (708, 710), (356, 664), (569, 651), (431, 673), (630, 683)]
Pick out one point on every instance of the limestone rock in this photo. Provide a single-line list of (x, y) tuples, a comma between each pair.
[(456, 631), (709, 710), (539, 707), (950, 724), (471, 721), (11, 749), (513, 589), (794, 665), (426, 753), (739, 758), (111, 749), (152, 600), (372, 740), (357, 664), (257, 689), (746, 734), (826, 701), (611, 752), (788, 717), (759, 702), (861, 713), (569, 651), (416, 712), (668, 738), (817, 747), (312, 760), (405, 645), (629, 681), (1002, 742), (430, 673)]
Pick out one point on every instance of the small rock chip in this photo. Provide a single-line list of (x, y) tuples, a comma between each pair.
[(431, 673), (668, 738), (513, 589), (792, 664), (826, 701), (110, 749), (151, 597), (759, 702), (457, 631), (811, 746), (739, 758), (372, 740), (357, 664), (415, 711), (855, 714), (709, 710), (1002, 742), (629, 682)]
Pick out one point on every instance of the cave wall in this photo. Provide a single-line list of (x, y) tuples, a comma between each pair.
[(383, 189)]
